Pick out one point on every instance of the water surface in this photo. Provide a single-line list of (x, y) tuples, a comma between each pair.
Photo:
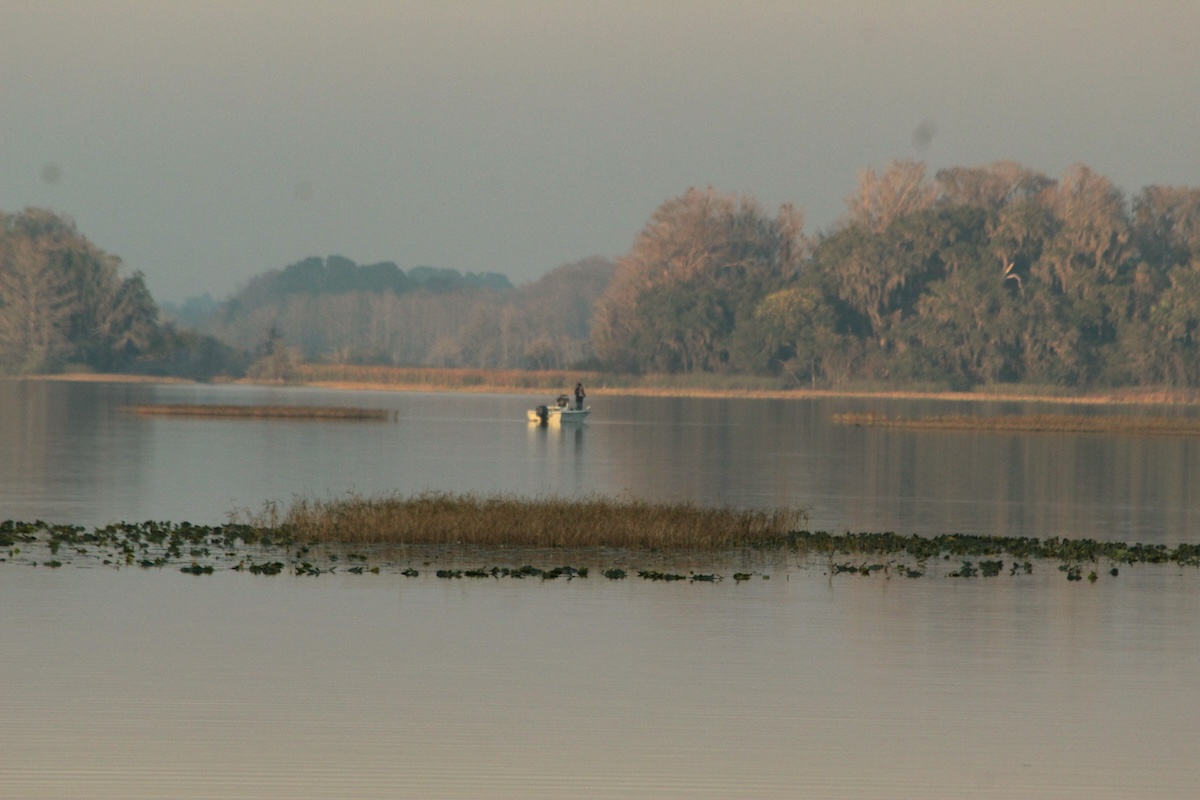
[(142, 684), (148, 683), (75, 455)]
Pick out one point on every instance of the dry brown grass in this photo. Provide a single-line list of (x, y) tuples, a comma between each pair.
[(444, 379), (703, 385), (100, 377), (509, 521), (440, 379), (258, 412), (1033, 423)]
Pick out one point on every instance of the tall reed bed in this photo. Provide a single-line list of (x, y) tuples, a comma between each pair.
[(707, 384), (509, 521), (1033, 423), (443, 378), (458, 379), (258, 412)]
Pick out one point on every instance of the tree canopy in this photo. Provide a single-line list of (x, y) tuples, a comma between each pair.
[(63, 302), (976, 275), (693, 279)]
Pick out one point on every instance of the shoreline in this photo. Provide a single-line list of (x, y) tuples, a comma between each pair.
[(1151, 397)]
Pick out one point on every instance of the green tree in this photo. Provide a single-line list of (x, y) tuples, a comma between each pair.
[(695, 273), (880, 276), (1176, 320), (1166, 225), (968, 329), (793, 333)]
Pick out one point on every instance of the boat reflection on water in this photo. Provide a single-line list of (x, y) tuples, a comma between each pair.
[(556, 457)]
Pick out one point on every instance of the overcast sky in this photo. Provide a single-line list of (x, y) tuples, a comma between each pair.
[(206, 142)]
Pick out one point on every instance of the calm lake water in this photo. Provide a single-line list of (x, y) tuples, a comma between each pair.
[(73, 454), (139, 683)]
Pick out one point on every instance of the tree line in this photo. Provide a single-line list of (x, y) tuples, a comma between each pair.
[(334, 310), (979, 275), (972, 275), (63, 305)]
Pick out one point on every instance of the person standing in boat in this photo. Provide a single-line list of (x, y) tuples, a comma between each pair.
[(579, 395)]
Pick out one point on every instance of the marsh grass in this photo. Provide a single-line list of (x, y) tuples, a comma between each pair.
[(512, 380), (1033, 423), (509, 521), (266, 546), (257, 412), (442, 379), (707, 385)]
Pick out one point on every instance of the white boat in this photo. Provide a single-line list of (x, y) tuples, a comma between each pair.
[(560, 412)]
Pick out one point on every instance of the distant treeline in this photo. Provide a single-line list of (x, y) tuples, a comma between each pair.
[(64, 306), (975, 275), (333, 310), (339, 275)]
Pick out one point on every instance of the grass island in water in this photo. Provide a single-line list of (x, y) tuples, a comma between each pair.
[(1032, 423), (443, 533), (261, 412)]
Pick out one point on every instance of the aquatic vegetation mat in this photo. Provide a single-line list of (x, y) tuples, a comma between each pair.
[(281, 547)]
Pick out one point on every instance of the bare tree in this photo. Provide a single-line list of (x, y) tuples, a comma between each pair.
[(127, 319), (37, 307), (882, 199), (991, 187)]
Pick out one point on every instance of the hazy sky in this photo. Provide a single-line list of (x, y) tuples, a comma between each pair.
[(205, 142)]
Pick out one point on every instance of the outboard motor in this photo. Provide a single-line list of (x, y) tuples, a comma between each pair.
[(543, 414)]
